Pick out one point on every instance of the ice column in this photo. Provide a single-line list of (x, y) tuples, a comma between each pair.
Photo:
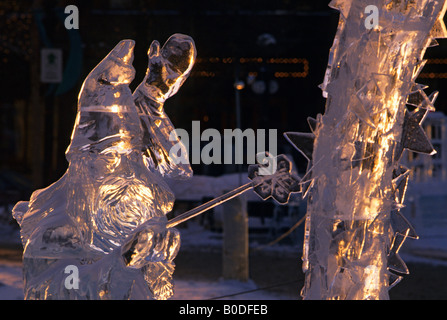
[(355, 184)]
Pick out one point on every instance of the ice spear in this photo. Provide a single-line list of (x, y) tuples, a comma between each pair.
[(279, 184)]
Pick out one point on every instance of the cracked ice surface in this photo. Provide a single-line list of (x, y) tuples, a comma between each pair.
[(354, 229), (106, 215)]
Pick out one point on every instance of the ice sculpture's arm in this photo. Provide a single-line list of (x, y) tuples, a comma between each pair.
[(278, 185), (168, 68), (151, 242)]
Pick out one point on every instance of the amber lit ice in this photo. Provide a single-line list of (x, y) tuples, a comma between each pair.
[(355, 184), (107, 214)]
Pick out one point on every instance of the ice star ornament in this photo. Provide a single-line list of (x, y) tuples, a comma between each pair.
[(106, 216), (355, 184)]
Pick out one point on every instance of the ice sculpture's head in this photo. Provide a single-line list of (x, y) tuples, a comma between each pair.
[(107, 85), (169, 66), (107, 117)]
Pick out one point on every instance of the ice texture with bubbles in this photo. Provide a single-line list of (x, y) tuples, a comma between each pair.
[(106, 216)]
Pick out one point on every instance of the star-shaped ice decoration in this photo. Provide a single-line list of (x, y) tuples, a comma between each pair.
[(278, 185), (400, 182), (314, 123), (303, 142), (413, 135), (439, 30), (395, 262), (401, 225), (418, 68), (415, 87), (419, 99), (393, 279)]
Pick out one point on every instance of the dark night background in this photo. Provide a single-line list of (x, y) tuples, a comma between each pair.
[(36, 119)]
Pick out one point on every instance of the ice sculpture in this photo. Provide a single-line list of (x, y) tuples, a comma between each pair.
[(106, 216), (354, 183)]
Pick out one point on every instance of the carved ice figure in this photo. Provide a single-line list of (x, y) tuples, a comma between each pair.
[(106, 216)]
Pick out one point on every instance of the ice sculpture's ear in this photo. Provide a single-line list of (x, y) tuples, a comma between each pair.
[(154, 49), (123, 51), (115, 68), (113, 74), (104, 95)]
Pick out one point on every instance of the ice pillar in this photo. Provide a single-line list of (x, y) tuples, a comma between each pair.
[(355, 184)]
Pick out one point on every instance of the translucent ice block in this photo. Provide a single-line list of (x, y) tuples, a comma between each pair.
[(354, 229), (99, 232)]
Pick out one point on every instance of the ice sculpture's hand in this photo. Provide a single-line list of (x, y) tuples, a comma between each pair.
[(168, 67), (151, 242)]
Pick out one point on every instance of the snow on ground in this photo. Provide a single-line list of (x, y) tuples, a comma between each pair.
[(430, 222), (224, 289), (429, 218), (11, 288), (11, 285)]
